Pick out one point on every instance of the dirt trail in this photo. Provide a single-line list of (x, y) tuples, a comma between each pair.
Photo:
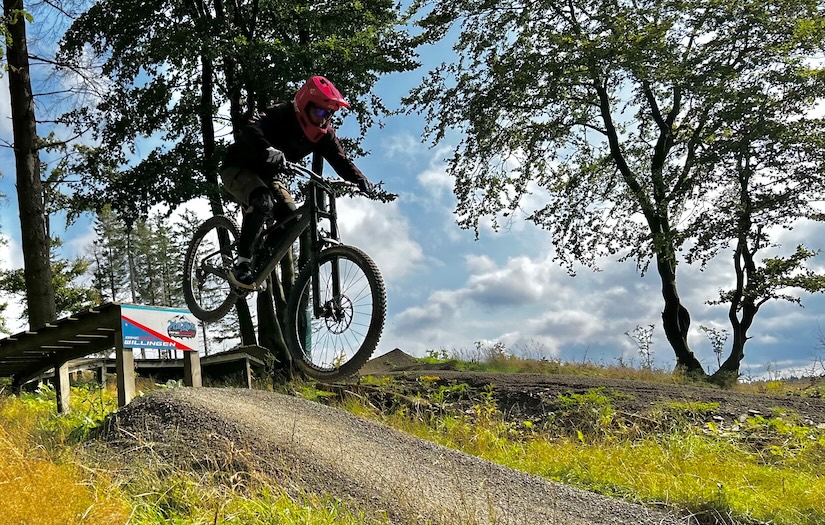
[(316, 448)]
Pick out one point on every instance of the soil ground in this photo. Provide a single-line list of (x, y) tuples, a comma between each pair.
[(535, 397), (307, 447)]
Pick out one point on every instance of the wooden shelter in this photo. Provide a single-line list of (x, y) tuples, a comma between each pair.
[(27, 355)]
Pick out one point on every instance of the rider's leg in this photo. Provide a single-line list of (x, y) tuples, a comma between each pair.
[(253, 194), (260, 205), (284, 203)]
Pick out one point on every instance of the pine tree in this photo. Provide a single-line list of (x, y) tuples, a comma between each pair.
[(110, 266)]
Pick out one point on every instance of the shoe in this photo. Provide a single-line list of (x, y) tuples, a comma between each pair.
[(242, 274)]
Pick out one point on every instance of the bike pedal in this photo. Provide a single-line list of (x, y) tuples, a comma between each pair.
[(237, 284)]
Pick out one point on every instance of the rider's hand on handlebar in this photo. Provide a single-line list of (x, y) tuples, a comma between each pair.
[(275, 157)]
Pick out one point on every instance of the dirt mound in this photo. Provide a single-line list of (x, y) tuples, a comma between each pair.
[(393, 361), (536, 397), (380, 471)]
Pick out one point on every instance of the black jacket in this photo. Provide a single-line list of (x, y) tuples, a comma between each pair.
[(278, 127)]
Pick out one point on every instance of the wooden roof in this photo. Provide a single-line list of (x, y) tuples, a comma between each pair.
[(27, 354)]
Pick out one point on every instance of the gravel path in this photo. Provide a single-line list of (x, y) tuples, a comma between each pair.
[(308, 446)]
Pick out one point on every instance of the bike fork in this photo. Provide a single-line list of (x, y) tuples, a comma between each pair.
[(334, 304)]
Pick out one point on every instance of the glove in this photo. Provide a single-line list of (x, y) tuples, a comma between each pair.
[(364, 186), (274, 157)]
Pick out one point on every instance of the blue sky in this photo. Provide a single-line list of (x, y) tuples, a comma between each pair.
[(447, 290)]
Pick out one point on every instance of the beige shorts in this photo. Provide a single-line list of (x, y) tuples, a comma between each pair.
[(241, 182)]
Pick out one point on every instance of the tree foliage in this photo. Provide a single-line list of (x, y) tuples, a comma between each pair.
[(109, 253), (140, 261), (155, 53), (69, 277), (631, 119)]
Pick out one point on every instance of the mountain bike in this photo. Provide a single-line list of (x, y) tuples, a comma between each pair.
[(336, 306)]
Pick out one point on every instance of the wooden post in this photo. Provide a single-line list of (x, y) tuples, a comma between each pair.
[(192, 369), (247, 372), (125, 365), (61, 387), (101, 373)]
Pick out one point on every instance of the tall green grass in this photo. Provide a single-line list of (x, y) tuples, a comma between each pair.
[(762, 470), (39, 482), (44, 481)]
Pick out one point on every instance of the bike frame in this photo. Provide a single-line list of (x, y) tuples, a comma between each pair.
[(318, 205)]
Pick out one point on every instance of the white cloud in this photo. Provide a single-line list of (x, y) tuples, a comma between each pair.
[(434, 180), (526, 299), (382, 232), (80, 245), (479, 263), (11, 258), (519, 282), (403, 146)]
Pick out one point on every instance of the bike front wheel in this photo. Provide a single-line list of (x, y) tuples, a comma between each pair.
[(336, 340), (206, 267)]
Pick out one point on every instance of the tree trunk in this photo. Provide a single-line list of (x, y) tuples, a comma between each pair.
[(270, 330), (130, 258), (676, 319), (745, 268), (728, 373), (33, 224)]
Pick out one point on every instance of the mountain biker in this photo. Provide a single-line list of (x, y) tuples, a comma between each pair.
[(285, 131)]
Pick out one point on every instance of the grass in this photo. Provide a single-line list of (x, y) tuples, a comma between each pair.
[(44, 481), (38, 481), (497, 358), (763, 470)]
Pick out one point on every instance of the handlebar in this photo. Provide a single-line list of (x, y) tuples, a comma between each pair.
[(327, 184)]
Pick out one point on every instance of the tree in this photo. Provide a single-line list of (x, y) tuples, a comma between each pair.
[(37, 274), (157, 263), (110, 265), (71, 293), (768, 156), (172, 65), (611, 110)]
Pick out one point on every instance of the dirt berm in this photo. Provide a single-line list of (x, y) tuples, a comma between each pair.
[(306, 446)]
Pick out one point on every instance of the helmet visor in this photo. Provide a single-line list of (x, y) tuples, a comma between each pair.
[(321, 113)]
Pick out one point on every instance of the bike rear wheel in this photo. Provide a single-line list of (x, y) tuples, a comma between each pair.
[(208, 261), (337, 342)]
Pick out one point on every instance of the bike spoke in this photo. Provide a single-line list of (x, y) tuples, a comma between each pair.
[(208, 261), (343, 329)]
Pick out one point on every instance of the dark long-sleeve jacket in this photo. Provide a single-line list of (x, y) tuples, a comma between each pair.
[(278, 127)]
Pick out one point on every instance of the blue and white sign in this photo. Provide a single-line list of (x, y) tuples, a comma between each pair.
[(159, 328)]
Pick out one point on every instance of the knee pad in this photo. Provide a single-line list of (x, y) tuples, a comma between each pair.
[(261, 202)]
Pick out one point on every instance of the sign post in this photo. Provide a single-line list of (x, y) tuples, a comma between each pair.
[(158, 328)]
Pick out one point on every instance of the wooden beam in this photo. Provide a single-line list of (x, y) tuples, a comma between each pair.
[(192, 369), (247, 372), (125, 365), (61, 387)]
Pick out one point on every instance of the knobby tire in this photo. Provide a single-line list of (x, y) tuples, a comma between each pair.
[(224, 295), (324, 353)]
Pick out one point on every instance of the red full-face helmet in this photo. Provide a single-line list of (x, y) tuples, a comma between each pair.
[(320, 95)]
